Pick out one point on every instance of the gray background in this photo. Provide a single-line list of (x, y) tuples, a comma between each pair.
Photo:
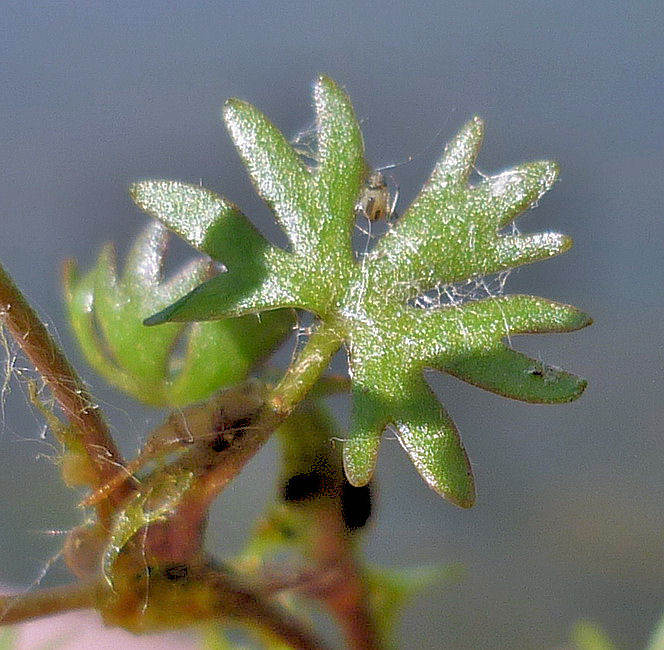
[(569, 518)]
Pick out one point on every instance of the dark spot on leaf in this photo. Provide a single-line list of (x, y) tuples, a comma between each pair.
[(536, 371)]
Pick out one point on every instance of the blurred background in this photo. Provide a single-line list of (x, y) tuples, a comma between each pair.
[(570, 518)]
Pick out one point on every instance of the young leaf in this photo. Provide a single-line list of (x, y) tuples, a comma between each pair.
[(141, 511), (107, 312), (451, 233)]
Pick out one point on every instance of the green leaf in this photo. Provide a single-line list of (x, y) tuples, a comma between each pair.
[(452, 233), (107, 312)]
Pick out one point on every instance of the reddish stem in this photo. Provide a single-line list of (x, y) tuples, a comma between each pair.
[(344, 592), (63, 381)]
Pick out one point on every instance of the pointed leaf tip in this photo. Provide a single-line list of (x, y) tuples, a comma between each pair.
[(506, 195), (163, 316), (232, 113), (456, 163), (582, 320), (326, 86), (233, 103)]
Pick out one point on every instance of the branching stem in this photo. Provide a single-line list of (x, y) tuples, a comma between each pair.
[(298, 380), (251, 609)]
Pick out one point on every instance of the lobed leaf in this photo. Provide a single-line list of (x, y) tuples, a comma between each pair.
[(451, 233), (341, 167), (107, 312), (205, 220), (278, 173), (424, 430)]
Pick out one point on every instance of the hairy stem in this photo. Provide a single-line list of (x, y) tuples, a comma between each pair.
[(63, 381), (197, 424)]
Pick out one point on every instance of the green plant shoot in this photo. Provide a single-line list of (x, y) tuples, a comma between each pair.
[(450, 233)]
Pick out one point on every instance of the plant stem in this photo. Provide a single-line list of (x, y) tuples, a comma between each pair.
[(335, 575), (239, 603), (45, 602), (346, 596), (305, 371), (63, 381), (298, 380), (179, 538)]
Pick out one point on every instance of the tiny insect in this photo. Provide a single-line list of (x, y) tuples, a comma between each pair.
[(375, 201)]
